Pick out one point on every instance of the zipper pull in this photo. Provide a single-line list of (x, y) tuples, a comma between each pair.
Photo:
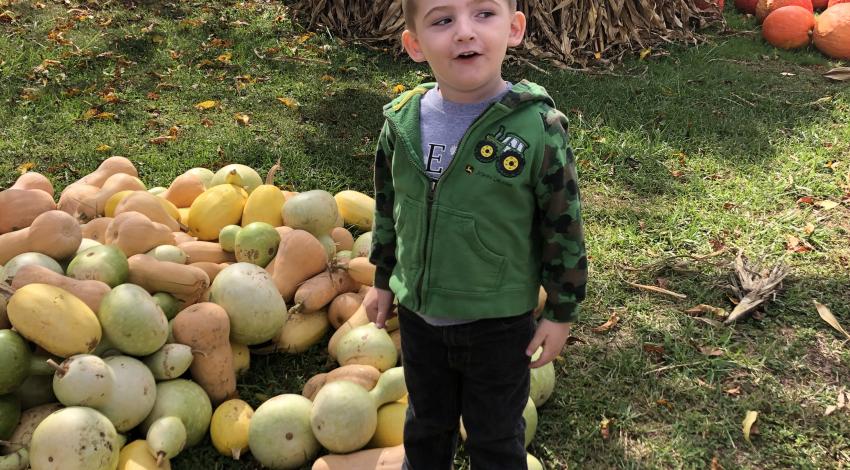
[(433, 189)]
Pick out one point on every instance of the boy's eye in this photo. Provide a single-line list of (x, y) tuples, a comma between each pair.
[(486, 14), (442, 22)]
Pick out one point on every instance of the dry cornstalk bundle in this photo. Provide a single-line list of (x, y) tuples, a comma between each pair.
[(568, 33)]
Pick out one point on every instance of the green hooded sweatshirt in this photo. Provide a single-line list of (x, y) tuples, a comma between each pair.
[(502, 220)]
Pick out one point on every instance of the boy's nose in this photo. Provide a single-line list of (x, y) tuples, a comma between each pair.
[(464, 30)]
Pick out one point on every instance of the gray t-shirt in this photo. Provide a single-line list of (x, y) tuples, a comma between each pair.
[(442, 124)]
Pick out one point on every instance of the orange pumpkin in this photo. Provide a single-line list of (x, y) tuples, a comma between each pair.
[(788, 27), (832, 32), (820, 4), (765, 7)]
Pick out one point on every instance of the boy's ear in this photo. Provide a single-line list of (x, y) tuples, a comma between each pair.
[(411, 46), (517, 29)]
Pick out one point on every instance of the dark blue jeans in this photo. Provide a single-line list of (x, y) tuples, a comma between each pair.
[(478, 370)]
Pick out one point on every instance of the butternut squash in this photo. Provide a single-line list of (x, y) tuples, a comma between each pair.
[(300, 256), (184, 189), (343, 239), (387, 458), (135, 233), (95, 205), (90, 292), (205, 327), (53, 233), (74, 195), (96, 229), (33, 180), (149, 205), (210, 252), (343, 307), (107, 168), (183, 237), (362, 270), (362, 374), (185, 282), (212, 269), (21, 207), (283, 230), (112, 202), (318, 291)]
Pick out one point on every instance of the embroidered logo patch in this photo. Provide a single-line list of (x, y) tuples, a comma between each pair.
[(504, 148), (510, 163)]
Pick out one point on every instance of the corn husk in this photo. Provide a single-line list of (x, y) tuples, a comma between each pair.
[(567, 33)]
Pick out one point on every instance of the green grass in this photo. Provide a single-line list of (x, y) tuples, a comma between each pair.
[(683, 152)]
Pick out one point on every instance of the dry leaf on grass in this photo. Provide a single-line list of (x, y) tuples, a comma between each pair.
[(748, 422), (827, 316), (611, 323), (839, 74), (604, 428), (705, 308), (711, 351), (242, 119), (735, 391), (206, 104), (826, 204)]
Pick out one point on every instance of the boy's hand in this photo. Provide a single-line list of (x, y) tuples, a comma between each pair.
[(552, 336), (379, 305)]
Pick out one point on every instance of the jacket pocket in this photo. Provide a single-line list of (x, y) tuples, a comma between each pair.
[(409, 218), (460, 259)]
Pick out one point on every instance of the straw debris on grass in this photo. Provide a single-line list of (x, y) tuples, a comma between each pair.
[(567, 33)]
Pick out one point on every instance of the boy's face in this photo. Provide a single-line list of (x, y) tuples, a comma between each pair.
[(464, 42)]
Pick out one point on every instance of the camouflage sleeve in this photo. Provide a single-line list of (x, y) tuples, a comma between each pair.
[(383, 230), (564, 267)]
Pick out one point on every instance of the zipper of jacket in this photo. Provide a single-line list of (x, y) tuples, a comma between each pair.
[(432, 191), (433, 186)]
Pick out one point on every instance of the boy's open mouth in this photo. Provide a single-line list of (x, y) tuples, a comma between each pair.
[(467, 55)]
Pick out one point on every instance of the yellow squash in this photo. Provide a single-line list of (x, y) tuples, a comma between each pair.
[(356, 208), (215, 208), (264, 205), (54, 319), (229, 427)]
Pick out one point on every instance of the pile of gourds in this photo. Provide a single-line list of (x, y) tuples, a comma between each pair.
[(133, 311)]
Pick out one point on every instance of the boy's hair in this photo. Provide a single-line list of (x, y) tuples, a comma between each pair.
[(408, 8)]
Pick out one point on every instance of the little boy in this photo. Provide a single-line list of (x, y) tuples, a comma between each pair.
[(477, 205)]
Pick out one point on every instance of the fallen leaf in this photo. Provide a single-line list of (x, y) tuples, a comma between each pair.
[(605, 327), (399, 89), (665, 403), (7, 17), (105, 116), (827, 204), (174, 54), (705, 308), (644, 53), (839, 74), (806, 200), (597, 55), (327, 78), (715, 464), (748, 422), (162, 139), (677, 173), (103, 148), (173, 131), (733, 391), (305, 37), (242, 119), (288, 102), (194, 23), (827, 316), (206, 122), (788, 74), (663, 282), (653, 348), (110, 97), (711, 351), (206, 104), (797, 245), (575, 339), (25, 167), (729, 205), (809, 228), (829, 410), (153, 95), (604, 428), (225, 58)]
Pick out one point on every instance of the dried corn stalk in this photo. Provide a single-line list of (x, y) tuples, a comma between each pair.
[(568, 33)]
